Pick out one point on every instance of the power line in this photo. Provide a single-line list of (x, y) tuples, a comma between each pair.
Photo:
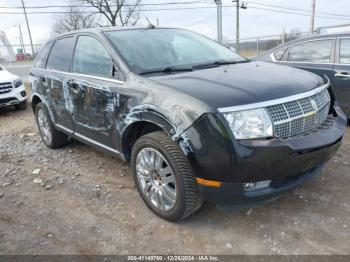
[(294, 13), (296, 9), (167, 4), (112, 5), (174, 9), (90, 12)]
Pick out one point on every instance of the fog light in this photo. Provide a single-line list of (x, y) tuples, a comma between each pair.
[(249, 185), (257, 185), (23, 93)]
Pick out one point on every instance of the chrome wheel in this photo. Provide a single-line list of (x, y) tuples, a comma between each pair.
[(156, 179), (44, 126)]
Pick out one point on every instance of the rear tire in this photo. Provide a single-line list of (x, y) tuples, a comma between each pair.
[(50, 136), (152, 181)]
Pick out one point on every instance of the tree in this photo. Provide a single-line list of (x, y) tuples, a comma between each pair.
[(294, 34), (74, 19), (117, 12)]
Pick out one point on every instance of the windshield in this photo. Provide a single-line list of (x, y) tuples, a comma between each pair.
[(146, 50)]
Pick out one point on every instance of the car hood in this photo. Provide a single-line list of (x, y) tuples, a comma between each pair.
[(6, 76), (241, 84)]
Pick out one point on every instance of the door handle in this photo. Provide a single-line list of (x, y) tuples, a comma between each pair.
[(342, 74), (73, 86)]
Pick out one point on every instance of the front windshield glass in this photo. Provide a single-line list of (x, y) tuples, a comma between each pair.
[(147, 50)]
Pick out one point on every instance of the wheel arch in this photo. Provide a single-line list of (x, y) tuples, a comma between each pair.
[(35, 100), (142, 123)]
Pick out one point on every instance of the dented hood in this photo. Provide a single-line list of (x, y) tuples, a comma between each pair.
[(240, 84)]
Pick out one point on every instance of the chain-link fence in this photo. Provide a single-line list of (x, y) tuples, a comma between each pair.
[(250, 47)]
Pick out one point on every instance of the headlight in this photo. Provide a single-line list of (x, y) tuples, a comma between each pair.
[(17, 83), (250, 124)]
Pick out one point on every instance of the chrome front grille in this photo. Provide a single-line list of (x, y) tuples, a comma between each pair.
[(5, 87), (299, 116)]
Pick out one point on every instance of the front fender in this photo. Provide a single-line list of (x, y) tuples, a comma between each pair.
[(147, 113)]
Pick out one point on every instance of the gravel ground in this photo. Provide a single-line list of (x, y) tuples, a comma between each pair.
[(77, 200)]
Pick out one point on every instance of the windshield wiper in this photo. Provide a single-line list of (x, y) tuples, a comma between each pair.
[(167, 70), (219, 63)]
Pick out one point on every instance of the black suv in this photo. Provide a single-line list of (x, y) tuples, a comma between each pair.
[(193, 119)]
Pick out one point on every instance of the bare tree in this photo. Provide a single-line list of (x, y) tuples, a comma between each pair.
[(74, 19), (117, 12)]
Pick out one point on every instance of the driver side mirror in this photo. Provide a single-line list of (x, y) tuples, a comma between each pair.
[(114, 70), (116, 73)]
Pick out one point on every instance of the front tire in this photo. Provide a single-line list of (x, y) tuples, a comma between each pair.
[(164, 177), (50, 136)]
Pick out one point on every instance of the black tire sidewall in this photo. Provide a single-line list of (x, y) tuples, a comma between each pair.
[(42, 106), (177, 211)]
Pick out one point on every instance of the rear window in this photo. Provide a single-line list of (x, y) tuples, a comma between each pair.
[(40, 61), (61, 54)]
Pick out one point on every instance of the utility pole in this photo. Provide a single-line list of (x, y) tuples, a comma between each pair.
[(21, 39), (219, 19), (30, 35), (157, 22), (312, 21), (237, 23), (237, 26)]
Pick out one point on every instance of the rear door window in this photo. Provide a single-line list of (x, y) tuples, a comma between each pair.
[(92, 58), (344, 51), (40, 61), (60, 57), (319, 51)]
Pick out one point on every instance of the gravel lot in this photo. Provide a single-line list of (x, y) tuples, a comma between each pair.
[(77, 200)]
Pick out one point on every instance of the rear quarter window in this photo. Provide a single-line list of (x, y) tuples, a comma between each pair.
[(61, 54), (40, 61)]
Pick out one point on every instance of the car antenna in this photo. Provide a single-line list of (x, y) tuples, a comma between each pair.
[(150, 25)]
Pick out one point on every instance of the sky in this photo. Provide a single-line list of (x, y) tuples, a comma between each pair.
[(253, 22)]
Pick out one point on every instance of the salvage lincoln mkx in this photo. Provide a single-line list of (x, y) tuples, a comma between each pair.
[(195, 121)]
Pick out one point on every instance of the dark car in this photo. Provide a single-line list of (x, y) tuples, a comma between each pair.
[(327, 54), (195, 121)]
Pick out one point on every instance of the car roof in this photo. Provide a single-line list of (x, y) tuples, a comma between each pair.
[(318, 36), (303, 39), (99, 30)]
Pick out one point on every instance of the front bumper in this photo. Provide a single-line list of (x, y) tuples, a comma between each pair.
[(14, 97), (287, 163)]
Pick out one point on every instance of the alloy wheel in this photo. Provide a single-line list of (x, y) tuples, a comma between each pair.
[(44, 126), (156, 178)]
